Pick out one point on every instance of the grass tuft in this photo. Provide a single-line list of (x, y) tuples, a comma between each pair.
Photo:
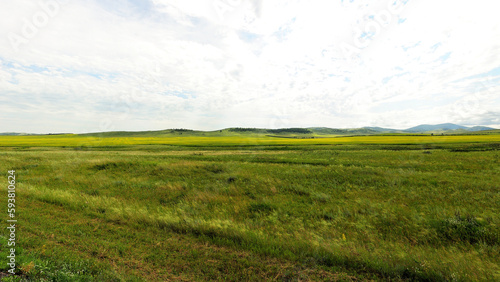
[(465, 229)]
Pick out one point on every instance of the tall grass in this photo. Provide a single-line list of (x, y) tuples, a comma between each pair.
[(376, 211)]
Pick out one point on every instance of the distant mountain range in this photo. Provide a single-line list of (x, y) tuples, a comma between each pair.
[(448, 128), (445, 127), (423, 128)]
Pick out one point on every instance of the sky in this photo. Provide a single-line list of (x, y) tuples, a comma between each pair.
[(106, 65)]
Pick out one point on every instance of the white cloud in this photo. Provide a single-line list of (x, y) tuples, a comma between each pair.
[(129, 65)]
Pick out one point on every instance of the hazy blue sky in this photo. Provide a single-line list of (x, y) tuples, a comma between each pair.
[(94, 65)]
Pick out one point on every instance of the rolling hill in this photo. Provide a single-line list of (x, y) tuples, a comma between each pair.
[(437, 127), (445, 128)]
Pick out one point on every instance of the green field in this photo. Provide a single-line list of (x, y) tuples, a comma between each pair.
[(72, 140), (191, 208)]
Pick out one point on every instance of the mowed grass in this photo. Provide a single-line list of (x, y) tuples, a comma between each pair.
[(399, 210)]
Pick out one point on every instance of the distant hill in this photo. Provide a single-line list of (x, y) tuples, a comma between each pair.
[(436, 127), (381, 129), (11, 133), (445, 128), (24, 134), (16, 134), (480, 128), (342, 131)]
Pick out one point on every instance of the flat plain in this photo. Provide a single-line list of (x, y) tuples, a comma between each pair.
[(254, 208)]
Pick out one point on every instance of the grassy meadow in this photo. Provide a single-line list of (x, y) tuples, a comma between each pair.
[(196, 208)]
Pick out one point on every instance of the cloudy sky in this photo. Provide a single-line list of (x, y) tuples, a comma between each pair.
[(102, 65)]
